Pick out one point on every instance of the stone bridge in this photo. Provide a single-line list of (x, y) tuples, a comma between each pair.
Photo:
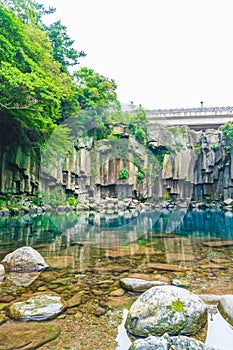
[(196, 118)]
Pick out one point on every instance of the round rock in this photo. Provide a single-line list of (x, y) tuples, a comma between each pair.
[(138, 284), (167, 343), (166, 309), (225, 307), (2, 272), (37, 307), (25, 259)]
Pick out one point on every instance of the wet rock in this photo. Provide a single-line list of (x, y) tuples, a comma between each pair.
[(150, 277), (25, 259), (181, 284), (166, 309), (3, 319), (182, 342), (168, 343), (179, 257), (27, 336), (166, 267), (151, 343), (218, 244), (139, 285), (111, 268), (61, 262), (225, 307), (117, 293), (6, 298), (99, 311), (219, 261), (22, 279), (37, 307), (210, 298), (228, 201), (213, 267), (2, 272), (74, 301)]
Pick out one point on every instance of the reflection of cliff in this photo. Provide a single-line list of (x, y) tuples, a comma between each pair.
[(173, 163)]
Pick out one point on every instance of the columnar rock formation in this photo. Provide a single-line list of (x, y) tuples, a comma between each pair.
[(174, 162)]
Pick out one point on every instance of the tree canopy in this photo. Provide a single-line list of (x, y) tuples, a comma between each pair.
[(37, 90), (32, 86)]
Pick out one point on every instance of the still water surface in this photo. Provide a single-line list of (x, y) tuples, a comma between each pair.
[(200, 240)]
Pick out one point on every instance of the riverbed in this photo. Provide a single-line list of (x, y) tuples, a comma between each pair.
[(89, 252)]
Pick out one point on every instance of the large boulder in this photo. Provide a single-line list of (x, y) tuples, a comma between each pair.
[(225, 307), (37, 307), (166, 309), (2, 272), (25, 259), (138, 284), (166, 343)]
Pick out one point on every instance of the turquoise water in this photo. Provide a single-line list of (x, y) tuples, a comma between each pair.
[(135, 238), (109, 229)]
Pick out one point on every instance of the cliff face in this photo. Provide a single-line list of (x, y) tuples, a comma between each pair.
[(173, 163), (19, 170)]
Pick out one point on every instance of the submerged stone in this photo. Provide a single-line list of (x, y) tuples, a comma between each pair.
[(37, 307), (61, 262), (139, 285), (22, 278), (25, 259), (166, 309), (27, 336)]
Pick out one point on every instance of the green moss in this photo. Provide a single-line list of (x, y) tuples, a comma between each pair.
[(178, 306)]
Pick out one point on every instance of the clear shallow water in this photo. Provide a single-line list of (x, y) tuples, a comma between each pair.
[(136, 239), (112, 229)]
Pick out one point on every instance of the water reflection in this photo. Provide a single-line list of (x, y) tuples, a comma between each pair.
[(178, 244), (113, 229)]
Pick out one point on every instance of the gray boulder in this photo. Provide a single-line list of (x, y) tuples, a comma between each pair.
[(225, 307), (37, 307), (25, 259), (138, 284), (167, 343), (166, 309), (2, 272)]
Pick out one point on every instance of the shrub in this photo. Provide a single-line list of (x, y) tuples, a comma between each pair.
[(124, 174)]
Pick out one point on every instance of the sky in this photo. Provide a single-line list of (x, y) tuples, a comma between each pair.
[(161, 53)]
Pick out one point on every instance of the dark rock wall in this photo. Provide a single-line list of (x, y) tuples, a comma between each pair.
[(177, 163)]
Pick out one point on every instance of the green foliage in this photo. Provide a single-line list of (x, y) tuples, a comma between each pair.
[(54, 198), (228, 130), (63, 52), (73, 201), (94, 89), (228, 149), (140, 177), (124, 174), (215, 146), (160, 154), (178, 306), (198, 148), (32, 88), (166, 196), (140, 134), (2, 203)]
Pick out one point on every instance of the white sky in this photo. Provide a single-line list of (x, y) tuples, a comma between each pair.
[(161, 53)]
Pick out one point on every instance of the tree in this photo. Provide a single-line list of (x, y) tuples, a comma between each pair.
[(28, 10), (95, 89), (63, 52), (33, 90)]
